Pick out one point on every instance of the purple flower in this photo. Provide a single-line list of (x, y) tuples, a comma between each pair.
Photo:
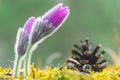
[(23, 36), (37, 29), (29, 23), (56, 15), (46, 25), (21, 42)]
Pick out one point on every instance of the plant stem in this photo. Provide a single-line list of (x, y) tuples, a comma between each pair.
[(27, 61), (16, 67)]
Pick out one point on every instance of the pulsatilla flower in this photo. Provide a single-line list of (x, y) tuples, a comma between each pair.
[(41, 29), (44, 27), (35, 31), (22, 42), (47, 24), (22, 39)]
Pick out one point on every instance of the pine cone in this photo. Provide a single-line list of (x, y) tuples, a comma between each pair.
[(85, 58)]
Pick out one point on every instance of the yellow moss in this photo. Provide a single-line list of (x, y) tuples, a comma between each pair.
[(109, 73)]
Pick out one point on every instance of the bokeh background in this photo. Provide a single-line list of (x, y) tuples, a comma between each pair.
[(95, 19)]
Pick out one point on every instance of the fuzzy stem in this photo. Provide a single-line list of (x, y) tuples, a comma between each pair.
[(27, 61), (16, 68)]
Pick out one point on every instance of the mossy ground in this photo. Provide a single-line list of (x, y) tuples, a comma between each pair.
[(109, 73)]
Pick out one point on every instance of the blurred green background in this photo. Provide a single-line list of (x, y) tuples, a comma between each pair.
[(95, 19)]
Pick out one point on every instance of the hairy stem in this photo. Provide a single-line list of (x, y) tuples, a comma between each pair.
[(27, 61), (16, 68)]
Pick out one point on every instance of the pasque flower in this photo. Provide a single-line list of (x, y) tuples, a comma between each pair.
[(22, 39), (44, 27), (35, 31), (22, 42), (47, 24)]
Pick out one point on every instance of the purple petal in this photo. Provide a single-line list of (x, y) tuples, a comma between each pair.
[(51, 12), (29, 23), (56, 15), (59, 17)]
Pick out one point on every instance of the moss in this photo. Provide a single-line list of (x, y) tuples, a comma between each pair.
[(109, 73)]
